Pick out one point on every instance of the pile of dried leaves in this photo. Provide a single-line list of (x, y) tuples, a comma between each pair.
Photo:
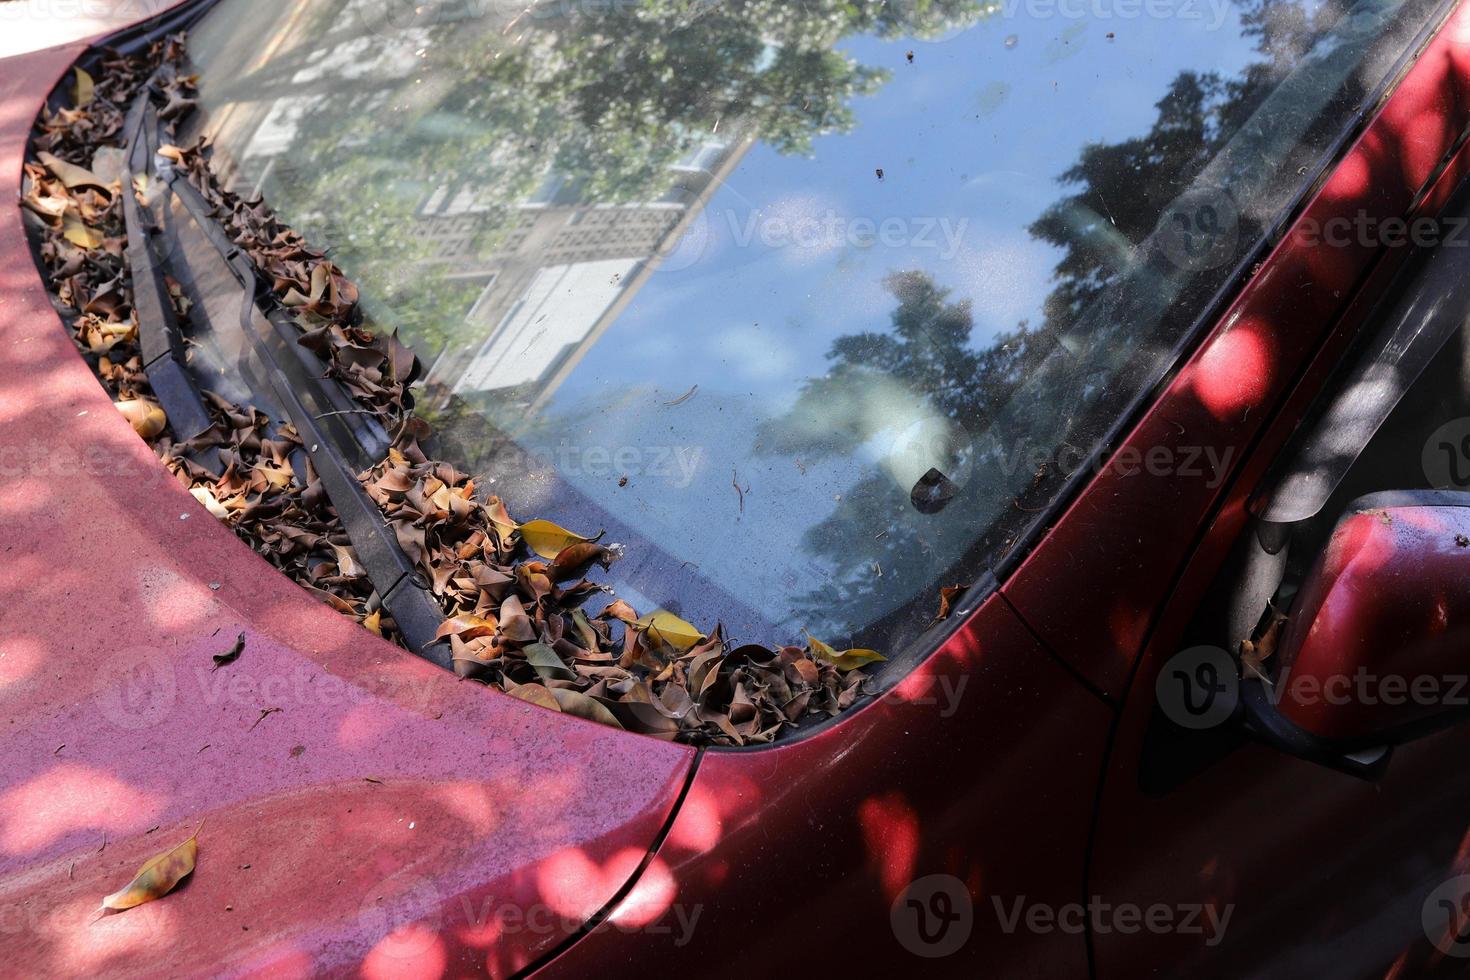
[(72, 195), (512, 593), (376, 368)]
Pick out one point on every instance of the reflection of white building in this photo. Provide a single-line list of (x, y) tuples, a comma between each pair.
[(562, 273), (557, 310), (549, 273)]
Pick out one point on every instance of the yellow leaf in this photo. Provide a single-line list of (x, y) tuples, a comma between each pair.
[(375, 622), (844, 661), (207, 498), (79, 234), (671, 629), (147, 418), (548, 539), (158, 877), (535, 694), (85, 87)]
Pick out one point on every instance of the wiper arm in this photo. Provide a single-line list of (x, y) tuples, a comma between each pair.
[(402, 589), (335, 432)]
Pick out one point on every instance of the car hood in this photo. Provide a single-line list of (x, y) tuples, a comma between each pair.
[(361, 809)]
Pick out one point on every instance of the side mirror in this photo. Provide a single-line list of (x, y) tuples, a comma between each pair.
[(1376, 650)]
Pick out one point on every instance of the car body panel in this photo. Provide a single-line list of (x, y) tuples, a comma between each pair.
[(1319, 871), (418, 809), (979, 767), (1135, 524), (350, 792), (1391, 594)]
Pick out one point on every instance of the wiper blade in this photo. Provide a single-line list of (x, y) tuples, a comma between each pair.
[(163, 354), (402, 589), (339, 437), (356, 431)]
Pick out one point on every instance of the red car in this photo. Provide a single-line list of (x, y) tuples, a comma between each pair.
[(1092, 379)]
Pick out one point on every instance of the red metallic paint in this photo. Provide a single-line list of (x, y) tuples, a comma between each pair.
[(1323, 874), (117, 739), (1388, 603), (1135, 530), (982, 765), (789, 857)]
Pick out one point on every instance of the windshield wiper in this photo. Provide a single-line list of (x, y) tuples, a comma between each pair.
[(162, 345), (337, 436)]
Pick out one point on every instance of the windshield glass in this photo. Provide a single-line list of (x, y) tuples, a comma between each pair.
[(813, 305)]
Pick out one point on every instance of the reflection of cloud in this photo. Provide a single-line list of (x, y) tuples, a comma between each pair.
[(992, 97), (803, 227), (1007, 274), (754, 353)]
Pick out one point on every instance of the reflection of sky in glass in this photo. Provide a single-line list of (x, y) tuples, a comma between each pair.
[(970, 138), (581, 354)]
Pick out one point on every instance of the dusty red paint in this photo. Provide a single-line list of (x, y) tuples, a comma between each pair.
[(113, 724), (783, 859), (1235, 371)]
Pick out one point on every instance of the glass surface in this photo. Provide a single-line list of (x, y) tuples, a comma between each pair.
[(813, 304)]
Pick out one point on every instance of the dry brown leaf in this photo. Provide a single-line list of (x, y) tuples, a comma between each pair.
[(146, 418), (1254, 654), (535, 694), (158, 877), (230, 655), (547, 663), (947, 595), (70, 174), (579, 704), (202, 494), (467, 627)]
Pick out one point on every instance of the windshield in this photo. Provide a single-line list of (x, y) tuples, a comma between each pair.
[(813, 305)]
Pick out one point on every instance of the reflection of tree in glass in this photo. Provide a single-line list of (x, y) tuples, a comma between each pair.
[(1128, 184), (606, 96), (882, 388), (926, 356)]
